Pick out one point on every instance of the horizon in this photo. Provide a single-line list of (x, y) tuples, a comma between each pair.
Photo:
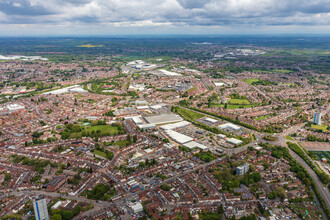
[(83, 17)]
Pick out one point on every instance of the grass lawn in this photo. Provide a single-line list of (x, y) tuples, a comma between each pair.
[(238, 101), (192, 89), (289, 138), (190, 114), (262, 117), (250, 81), (105, 129), (234, 106), (320, 127), (122, 143), (100, 153)]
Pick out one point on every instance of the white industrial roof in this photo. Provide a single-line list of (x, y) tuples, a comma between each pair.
[(156, 107), (146, 126), (169, 73), (218, 83), (177, 137), (211, 120), (194, 144), (137, 207), (175, 125), (229, 125), (75, 88), (234, 141), (136, 119), (221, 136), (163, 119), (142, 107), (14, 107)]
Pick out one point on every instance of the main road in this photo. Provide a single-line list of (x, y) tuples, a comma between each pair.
[(282, 142)]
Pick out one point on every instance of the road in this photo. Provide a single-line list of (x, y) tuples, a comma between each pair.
[(282, 142)]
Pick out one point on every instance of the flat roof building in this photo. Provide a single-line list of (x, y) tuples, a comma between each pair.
[(137, 207), (243, 169), (40, 208), (234, 141), (163, 119), (229, 126)]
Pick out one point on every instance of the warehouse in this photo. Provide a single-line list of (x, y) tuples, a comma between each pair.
[(163, 119), (194, 144), (234, 141), (175, 125), (137, 207), (229, 126), (177, 137), (211, 120), (136, 119)]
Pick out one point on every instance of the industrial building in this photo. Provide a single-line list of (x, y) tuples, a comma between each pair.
[(75, 88), (194, 144), (137, 207), (211, 120), (175, 125), (229, 126), (163, 119), (234, 141), (178, 137), (15, 107)]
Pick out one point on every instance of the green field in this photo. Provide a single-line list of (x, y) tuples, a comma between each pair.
[(262, 117), (190, 114), (100, 153), (238, 101), (320, 127), (289, 138), (234, 106), (105, 129), (122, 143), (250, 81)]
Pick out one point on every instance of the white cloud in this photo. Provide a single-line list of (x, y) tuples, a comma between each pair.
[(174, 13)]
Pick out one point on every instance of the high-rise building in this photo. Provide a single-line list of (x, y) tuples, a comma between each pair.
[(317, 118), (243, 169), (40, 208)]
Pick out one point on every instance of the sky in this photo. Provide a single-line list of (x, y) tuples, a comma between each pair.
[(156, 17)]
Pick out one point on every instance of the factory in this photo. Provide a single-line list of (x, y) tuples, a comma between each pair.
[(73, 89), (229, 126), (234, 141), (163, 119)]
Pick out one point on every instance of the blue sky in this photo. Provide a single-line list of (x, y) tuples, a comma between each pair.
[(113, 17)]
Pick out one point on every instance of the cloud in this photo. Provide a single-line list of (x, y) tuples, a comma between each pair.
[(175, 13)]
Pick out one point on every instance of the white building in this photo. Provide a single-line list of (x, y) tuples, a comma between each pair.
[(40, 208), (317, 118), (234, 141), (15, 107), (211, 120), (137, 207), (194, 144), (229, 126), (243, 169)]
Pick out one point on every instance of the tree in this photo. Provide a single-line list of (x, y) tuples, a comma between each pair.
[(134, 139), (281, 192), (165, 187), (66, 214), (57, 217)]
